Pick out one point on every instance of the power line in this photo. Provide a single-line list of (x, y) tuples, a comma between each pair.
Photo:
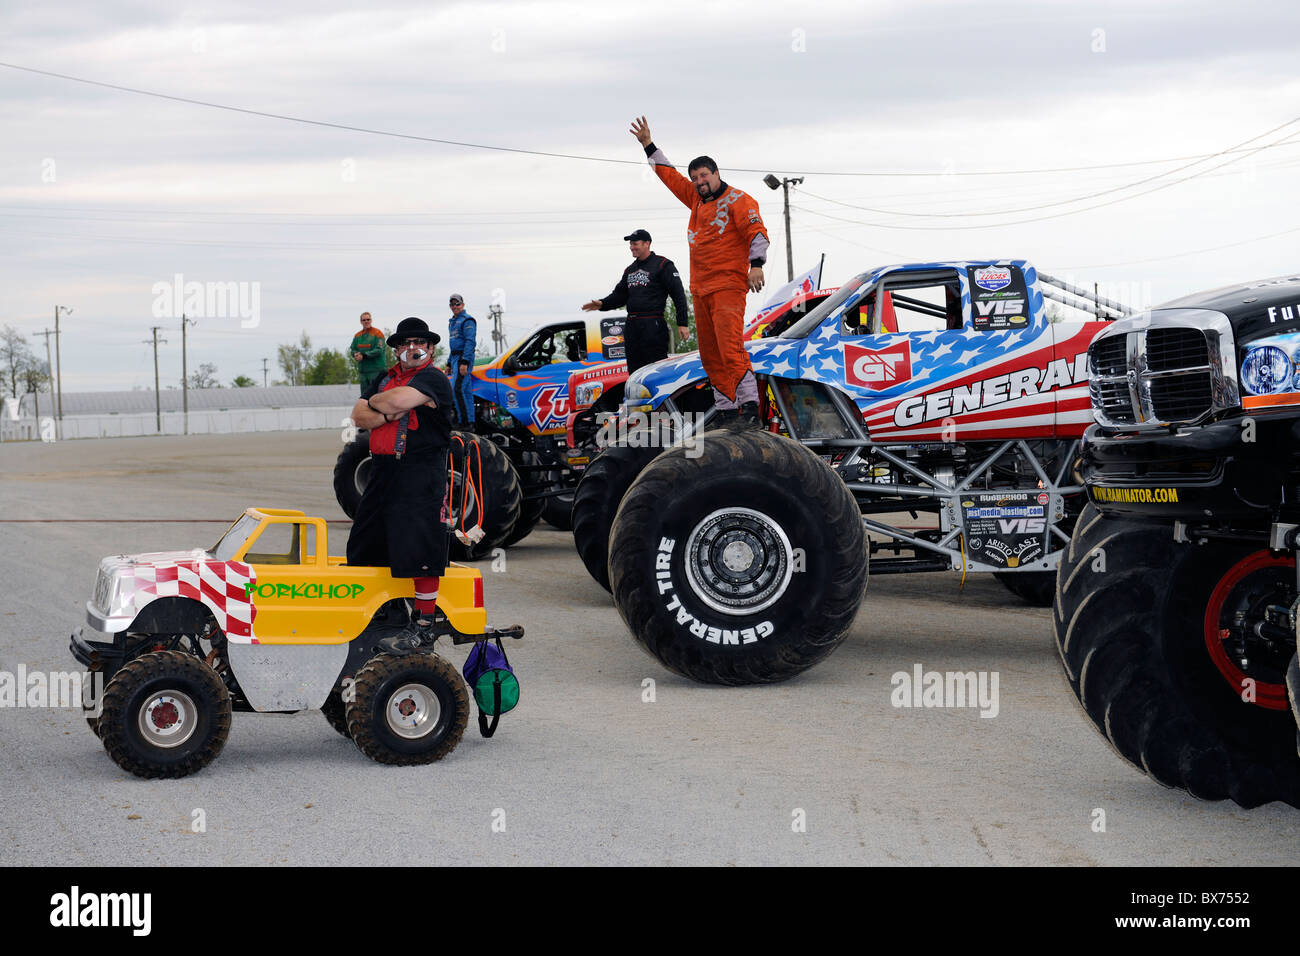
[(1288, 141), (1017, 222), (574, 156)]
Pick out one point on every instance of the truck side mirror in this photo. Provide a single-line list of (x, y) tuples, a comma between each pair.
[(510, 366)]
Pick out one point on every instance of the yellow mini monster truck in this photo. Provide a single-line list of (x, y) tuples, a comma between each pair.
[(267, 620)]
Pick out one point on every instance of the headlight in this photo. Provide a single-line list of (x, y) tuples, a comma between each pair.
[(587, 394), (636, 397)]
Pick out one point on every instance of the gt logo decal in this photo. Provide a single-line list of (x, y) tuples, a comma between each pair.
[(877, 369)]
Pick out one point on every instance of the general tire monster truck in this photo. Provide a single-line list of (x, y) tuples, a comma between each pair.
[(521, 400), (267, 621), (936, 389), (1176, 604)]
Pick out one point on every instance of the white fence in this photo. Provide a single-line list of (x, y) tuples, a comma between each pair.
[(201, 422)]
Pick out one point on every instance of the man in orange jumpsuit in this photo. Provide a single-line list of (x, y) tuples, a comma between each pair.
[(728, 249)]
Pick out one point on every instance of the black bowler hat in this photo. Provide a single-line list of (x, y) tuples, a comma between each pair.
[(413, 328), (638, 235)]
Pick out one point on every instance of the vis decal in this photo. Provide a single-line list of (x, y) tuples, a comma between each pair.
[(714, 635), (948, 402)]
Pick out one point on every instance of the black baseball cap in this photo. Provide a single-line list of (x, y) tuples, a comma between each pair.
[(638, 235)]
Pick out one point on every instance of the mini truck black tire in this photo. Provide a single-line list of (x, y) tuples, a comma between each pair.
[(165, 714), (596, 501), (336, 712), (389, 683), (743, 565), (1130, 633)]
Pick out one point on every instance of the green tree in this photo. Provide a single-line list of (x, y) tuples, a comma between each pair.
[(242, 381), (294, 360), (329, 367), (670, 316)]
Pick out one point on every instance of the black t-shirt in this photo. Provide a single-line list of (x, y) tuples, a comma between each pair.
[(434, 433), (645, 286)]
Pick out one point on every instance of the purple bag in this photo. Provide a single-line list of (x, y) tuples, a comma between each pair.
[(496, 689)]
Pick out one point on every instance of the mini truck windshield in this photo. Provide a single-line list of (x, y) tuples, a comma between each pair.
[(805, 326), (234, 538)]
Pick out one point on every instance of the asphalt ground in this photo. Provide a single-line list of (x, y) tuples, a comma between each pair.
[(585, 770)]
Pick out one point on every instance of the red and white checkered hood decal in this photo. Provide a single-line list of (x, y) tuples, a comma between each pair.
[(222, 587)]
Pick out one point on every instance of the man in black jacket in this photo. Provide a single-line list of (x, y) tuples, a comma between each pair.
[(644, 288)]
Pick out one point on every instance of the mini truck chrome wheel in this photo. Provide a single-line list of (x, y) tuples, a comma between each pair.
[(165, 714), (739, 561), (168, 719), (413, 711)]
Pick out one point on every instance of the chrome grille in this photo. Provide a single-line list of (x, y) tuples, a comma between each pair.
[(103, 584), (1157, 370)]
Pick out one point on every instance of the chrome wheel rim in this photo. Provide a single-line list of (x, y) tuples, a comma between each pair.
[(413, 711), (168, 719), (738, 561)]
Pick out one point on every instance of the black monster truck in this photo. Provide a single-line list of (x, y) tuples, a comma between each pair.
[(1176, 602)]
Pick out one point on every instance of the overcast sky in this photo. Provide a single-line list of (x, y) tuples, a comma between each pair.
[(104, 194)]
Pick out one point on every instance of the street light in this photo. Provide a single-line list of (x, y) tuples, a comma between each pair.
[(785, 184)]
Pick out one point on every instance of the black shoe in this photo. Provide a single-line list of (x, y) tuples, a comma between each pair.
[(748, 415), (401, 644)]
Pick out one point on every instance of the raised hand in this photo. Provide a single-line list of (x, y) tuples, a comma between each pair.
[(641, 130)]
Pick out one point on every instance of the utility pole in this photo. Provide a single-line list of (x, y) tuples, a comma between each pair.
[(498, 337), (185, 375), (264, 373), (49, 365), (784, 185), (157, 395), (59, 358)]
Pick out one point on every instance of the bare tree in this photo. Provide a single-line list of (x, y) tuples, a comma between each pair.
[(15, 357), (205, 377)]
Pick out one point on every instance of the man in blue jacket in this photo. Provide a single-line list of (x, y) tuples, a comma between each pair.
[(462, 331)]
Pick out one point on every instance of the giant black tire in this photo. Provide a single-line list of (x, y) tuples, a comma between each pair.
[(166, 714), (1130, 626), (530, 509), (1036, 588), (501, 490), (392, 718), (500, 495), (596, 500), (743, 565), (557, 511), (350, 472)]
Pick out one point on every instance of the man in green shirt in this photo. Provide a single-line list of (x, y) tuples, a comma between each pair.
[(368, 352)]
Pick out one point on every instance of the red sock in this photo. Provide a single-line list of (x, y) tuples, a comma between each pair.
[(426, 597)]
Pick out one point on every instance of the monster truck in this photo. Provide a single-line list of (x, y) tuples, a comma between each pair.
[(1176, 605), (520, 403), (599, 389), (741, 557), (267, 621)]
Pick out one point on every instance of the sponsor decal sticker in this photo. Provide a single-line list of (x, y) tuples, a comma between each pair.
[(877, 369), (993, 278), (998, 390), (1137, 496)]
